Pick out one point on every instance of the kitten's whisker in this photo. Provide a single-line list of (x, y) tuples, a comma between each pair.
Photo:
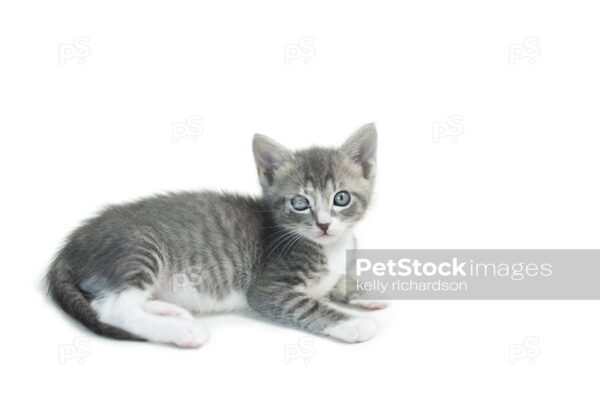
[(279, 241), (292, 245), (280, 231)]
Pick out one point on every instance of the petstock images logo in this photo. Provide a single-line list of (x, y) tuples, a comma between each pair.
[(474, 274)]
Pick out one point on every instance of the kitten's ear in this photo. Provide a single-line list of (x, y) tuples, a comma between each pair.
[(362, 148), (269, 156)]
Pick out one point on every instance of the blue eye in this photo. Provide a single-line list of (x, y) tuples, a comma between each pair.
[(341, 199), (299, 203)]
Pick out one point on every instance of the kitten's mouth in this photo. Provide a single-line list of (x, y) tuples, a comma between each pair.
[(325, 235)]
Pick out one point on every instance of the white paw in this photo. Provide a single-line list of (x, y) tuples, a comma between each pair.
[(354, 330), (190, 335), (369, 304), (167, 309)]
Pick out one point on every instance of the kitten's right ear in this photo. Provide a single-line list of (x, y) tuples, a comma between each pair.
[(362, 148), (269, 157)]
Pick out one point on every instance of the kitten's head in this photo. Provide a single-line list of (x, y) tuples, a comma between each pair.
[(319, 193)]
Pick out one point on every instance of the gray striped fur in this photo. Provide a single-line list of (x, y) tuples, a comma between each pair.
[(223, 242)]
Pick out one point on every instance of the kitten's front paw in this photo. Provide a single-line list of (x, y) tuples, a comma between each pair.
[(369, 304), (354, 330)]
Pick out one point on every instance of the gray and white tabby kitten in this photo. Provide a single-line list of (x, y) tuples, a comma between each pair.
[(137, 271)]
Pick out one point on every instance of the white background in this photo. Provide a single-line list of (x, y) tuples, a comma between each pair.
[(78, 133)]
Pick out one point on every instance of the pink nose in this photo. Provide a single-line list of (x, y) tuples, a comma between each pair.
[(323, 227)]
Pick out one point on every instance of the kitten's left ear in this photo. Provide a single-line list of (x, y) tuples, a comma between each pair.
[(269, 157), (362, 148)]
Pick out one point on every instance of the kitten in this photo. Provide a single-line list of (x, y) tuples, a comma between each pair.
[(137, 271)]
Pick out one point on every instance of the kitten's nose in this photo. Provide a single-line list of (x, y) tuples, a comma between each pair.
[(323, 227)]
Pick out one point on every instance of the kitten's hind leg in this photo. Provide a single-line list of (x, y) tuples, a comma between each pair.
[(167, 309), (156, 321)]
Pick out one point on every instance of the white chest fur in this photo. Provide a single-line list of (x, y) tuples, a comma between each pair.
[(335, 253)]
